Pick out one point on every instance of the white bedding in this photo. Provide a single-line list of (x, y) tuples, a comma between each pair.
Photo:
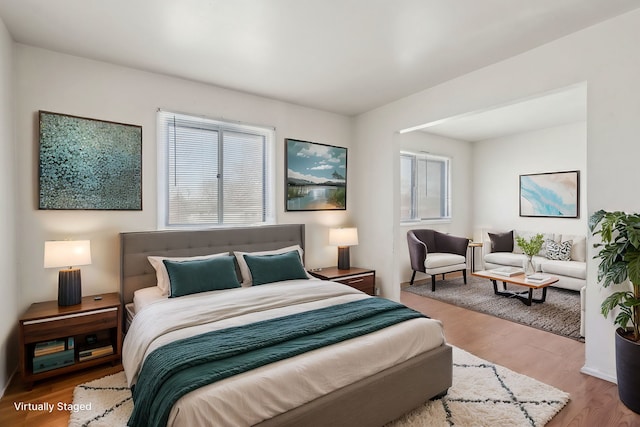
[(263, 393), (145, 296)]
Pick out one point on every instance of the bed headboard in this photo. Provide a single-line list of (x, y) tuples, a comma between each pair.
[(137, 273)]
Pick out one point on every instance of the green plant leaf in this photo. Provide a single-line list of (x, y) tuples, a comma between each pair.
[(632, 258), (622, 319), (595, 219), (532, 246), (619, 254)]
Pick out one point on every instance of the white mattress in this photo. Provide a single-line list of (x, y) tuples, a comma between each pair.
[(263, 393), (145, 296)]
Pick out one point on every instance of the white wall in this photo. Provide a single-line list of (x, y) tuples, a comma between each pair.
[(461, 193), (498, 163), (604, 56), (9, 311), (46, 80)]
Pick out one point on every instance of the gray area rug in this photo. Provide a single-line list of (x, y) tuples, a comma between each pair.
[(559, 314), (482, 394)]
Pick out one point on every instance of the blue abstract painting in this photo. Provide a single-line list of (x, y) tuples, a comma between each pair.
[(553, 194), (89, 164)]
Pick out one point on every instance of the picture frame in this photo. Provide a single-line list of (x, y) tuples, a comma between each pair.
[(315, 175), (550, 194), (88, 164)]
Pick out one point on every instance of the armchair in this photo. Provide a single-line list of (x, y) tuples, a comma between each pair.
[(434, 253)]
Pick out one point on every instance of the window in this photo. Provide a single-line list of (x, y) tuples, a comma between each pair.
[(213, 173), (425, 187)]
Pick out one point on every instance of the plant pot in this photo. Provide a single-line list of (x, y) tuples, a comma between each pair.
[(628, 371)]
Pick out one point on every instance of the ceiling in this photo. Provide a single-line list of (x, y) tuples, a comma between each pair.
[(561, 107), (344, 56)]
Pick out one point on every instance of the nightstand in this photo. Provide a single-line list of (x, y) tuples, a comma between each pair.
[(360, 278), (85, 332)]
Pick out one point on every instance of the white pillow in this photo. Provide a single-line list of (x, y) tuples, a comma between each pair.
[(244, 268), (162, 276)]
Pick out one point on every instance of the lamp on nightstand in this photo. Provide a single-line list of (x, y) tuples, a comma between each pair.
[(68, 253), (343, 238)]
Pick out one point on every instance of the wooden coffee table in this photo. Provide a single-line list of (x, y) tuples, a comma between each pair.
[(520, 280)]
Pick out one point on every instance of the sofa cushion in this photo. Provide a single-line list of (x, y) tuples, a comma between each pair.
[(511, 259), (578, 248), (559, 251), (501, 242), (437, 260), (575, 269)]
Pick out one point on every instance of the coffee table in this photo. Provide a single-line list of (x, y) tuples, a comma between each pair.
[(520, 280)]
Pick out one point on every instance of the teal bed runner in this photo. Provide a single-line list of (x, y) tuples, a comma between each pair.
[(180, 367)]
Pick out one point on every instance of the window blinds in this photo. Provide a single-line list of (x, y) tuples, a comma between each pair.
[(213, 172)]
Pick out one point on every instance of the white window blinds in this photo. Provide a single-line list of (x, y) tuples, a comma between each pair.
[(425, 187), (213, 172)]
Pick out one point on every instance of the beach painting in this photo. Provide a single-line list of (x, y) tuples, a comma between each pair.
[(552, 194), (316, 176)]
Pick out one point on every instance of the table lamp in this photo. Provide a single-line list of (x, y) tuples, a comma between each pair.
[(70, 254), (343, 238)]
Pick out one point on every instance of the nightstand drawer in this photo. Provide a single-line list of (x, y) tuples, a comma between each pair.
[(70, 324), (362, 282)]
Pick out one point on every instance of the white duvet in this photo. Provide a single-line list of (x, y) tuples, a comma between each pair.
[(263, 393)]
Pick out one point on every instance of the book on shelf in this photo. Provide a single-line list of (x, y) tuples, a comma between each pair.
[(507, 271), (54, 346), (48, 347), (95, 352), (53, 361), (537, 277)]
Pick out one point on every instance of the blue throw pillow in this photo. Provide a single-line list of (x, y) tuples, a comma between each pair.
[(276, 267), (190, 277)]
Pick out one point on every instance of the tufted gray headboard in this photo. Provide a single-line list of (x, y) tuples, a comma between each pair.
[(135, 247)]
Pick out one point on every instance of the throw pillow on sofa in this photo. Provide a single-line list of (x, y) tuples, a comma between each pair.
[(501, 242), (559, 251)]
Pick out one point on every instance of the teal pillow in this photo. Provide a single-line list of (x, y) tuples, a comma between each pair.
[(190, 277), (276, 267)]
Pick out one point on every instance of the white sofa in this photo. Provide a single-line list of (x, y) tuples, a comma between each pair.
[(572, 273)]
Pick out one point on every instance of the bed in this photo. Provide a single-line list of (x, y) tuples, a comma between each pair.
[(366, 381)]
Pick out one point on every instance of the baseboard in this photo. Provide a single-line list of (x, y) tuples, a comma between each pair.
[(4, 389), (599, 374)]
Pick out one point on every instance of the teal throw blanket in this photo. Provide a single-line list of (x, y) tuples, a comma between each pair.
[(180, 367)]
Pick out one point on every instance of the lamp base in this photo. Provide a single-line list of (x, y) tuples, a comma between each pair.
[(69, 287), (343, 258)]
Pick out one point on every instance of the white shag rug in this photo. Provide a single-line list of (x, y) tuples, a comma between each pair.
[(482, 394)]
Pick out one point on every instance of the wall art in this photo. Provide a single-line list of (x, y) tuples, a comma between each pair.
[(89, 164), (551, 194), (316, 176)]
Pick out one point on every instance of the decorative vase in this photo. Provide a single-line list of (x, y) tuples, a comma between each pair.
[(529, 269), (628, 370)]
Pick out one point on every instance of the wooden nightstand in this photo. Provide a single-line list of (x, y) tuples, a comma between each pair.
[(360, 278), (48, 322)]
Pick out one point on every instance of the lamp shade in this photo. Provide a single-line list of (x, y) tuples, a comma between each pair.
[(67, 253), (343, 236)]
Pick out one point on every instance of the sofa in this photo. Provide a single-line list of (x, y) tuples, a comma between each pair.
[(562, 255)]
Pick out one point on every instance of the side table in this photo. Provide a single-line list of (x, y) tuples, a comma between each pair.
[(473, 246), (359, 278), (96, 319)]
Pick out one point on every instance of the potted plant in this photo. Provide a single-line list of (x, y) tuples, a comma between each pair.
[(620, 264), (530, 248)]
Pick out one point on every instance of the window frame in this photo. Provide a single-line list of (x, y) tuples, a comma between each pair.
[(447, 183), (220, 126)]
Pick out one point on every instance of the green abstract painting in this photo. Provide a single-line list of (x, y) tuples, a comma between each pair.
[(89, 164)]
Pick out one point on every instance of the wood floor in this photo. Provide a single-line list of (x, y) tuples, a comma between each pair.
[(549, 358)]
